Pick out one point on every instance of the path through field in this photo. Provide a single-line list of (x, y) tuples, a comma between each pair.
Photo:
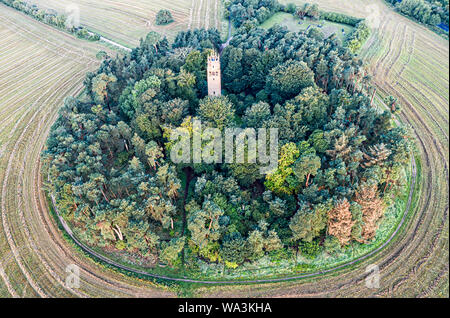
[(125, 22)]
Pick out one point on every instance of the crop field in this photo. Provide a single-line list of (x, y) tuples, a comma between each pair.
[(40, 66), (409, 62), (127, 21)]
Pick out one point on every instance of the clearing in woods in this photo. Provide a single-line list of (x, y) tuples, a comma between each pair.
[(125, 22), (294, 24), (40, 67)]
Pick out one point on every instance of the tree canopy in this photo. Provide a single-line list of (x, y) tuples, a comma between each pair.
[(339, 158), (164, 17)]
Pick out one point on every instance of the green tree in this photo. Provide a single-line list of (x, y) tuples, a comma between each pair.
[(288, 79), (217, 111), (171, 251), (100, 85), (282, 180), (307, 223), (234, 248), (164, 17), (306, 166), (203, 223)]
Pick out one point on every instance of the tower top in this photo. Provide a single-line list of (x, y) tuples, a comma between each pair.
[(214, 57), (214, 74)]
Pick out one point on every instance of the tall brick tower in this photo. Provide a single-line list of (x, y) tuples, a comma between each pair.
[(214, 75)]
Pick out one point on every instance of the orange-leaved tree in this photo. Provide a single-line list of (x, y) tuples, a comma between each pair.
[(340, 221)]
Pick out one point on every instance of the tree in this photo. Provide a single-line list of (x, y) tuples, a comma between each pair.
[(101, 55), (203, 223), (372, 208), (257, 114), (306, 165), (140, 96), (313, 11), (392, 103), (318, 141), (234, 248), (340, 221), (100, 85), (288, 79), (171, 251), (186, 84), (376, 155), (256, 245), (245, 173), (153, 153), (233, 69), (174, 111), (291, 8), (316, 34), (307, 223), (262, 240), (332, 245), (152, 39), (217, 111), (164, 17), (160, 193), (435, 20), (282, 181)]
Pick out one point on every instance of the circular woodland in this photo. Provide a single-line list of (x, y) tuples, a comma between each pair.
[(338, 192)]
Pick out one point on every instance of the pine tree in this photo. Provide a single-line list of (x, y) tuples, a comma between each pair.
[(372, 208), (340, 221), (376, 155)]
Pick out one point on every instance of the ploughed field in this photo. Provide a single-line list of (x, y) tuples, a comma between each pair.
[(127, 21), (39, 67)]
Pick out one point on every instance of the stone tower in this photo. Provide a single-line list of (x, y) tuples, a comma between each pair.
[(214, 76)]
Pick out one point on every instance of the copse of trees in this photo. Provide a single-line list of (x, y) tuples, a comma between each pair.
[(340, 159), (340, 18), (251, 11), (358, 37), (164, 17), (308, 10), (430, 12), (51, 17)]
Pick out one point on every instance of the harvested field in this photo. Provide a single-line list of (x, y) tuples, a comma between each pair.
[(127, 21)]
